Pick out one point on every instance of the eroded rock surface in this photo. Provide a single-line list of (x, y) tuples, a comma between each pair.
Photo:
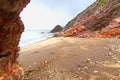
[(11, 28)]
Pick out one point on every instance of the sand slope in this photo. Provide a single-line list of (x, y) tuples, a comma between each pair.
[(72, 59)]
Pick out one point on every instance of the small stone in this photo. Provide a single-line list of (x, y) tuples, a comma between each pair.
[(77, 72), (112, 79), (110, 53), (46, 62), (79, 69), (81, 78), (97, 62), (30, 66), (88, 60), (92, 63), (118, 61), (82, 71), (86, 67), (75, 76), (35, 63), (96, 71)]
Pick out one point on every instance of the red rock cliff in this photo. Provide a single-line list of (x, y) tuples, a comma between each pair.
[(101, 19), (11, 28)]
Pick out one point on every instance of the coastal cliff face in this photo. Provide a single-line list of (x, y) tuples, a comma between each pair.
[(101, 19), (11, 28)]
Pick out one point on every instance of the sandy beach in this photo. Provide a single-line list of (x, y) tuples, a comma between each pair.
[(71, 58)]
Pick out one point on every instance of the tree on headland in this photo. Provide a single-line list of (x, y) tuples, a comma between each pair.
[(101, 19)]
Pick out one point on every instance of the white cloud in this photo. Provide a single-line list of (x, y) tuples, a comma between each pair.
[(41, 17), (47, 14)]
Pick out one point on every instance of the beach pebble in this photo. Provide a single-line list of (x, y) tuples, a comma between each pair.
[(35, 63), (92, 63), (46, 62), (112, 79), (30, 67), (85, 67), (74, 76), (118, 61), (82, 71), (96, 71), (79, 69), (88, 60)]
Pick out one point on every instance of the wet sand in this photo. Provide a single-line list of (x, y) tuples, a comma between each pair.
[(72, 59)]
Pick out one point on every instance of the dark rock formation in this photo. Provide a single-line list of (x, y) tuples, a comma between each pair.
[(11, 28), (101, 19), (57, 28)]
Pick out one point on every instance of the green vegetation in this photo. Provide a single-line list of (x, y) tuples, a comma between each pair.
[(102, 3)]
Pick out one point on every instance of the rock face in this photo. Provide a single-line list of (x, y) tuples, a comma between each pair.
[(101, 19), (57, 28), (11, 28)]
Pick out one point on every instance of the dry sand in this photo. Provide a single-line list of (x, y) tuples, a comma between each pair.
[(72, 59)]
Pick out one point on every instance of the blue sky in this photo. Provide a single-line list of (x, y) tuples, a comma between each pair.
[(45, 14)]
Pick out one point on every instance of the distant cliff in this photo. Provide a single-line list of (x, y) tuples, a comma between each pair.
[(101, 19)]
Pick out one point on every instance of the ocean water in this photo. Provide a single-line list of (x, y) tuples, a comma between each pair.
[(32, 36)]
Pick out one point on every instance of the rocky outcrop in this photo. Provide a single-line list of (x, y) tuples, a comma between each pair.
[(57, 28), (11, 28), (75, 21), (101, 19)]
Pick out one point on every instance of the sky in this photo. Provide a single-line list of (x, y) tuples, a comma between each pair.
[(46, 14)]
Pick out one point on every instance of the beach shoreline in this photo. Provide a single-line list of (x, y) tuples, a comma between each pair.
[(71, 58), (32, 36), (36, 42)]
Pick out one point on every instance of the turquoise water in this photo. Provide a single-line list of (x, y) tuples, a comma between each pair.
[(32, 36)]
